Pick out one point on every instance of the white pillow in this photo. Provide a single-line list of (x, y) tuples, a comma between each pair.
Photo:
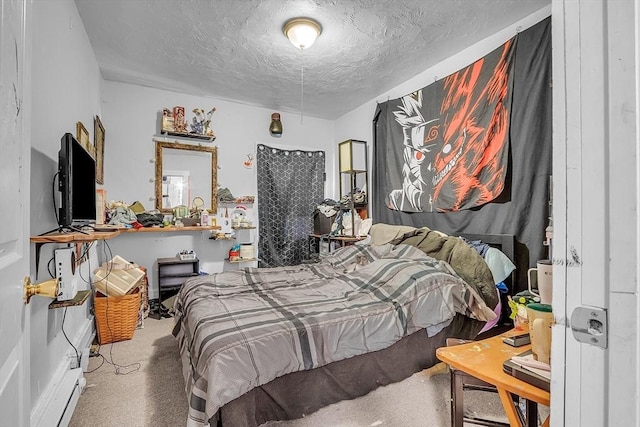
[(499, 264)]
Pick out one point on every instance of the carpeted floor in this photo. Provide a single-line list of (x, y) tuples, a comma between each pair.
[(139, 383)]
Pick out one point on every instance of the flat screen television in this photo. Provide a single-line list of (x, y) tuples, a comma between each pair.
[(77, 183)]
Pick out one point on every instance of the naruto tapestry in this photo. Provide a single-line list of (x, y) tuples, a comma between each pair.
[(447, 144)]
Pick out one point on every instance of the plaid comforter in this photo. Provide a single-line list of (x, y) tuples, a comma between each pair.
[(241, 329)]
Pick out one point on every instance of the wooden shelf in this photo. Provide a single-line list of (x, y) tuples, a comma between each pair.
[(90, 236), (75, 236), (79, 299), (169, 229), (189, 135), (237, 201), (239, 261), (338, 238)]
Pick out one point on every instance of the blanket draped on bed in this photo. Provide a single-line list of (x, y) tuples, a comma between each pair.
[(458, 254), (241, 329)]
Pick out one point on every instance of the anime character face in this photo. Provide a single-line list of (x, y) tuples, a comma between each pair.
[(418, 134)]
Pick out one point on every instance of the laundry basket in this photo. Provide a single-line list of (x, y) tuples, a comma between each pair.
[(116, 317)]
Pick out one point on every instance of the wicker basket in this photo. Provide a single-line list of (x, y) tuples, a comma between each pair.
[(116, 317)]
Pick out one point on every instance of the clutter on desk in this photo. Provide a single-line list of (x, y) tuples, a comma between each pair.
[(518, 305), (122, 215)]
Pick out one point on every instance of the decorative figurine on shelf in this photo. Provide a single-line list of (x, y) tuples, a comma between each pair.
[(179, 122), (167, 120), (207, 123), (197, 125)]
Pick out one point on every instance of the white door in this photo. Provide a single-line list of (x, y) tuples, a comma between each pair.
[(14, 213), (596, 203)]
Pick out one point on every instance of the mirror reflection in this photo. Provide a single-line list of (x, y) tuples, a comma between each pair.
[(175, 187), (185, 172)]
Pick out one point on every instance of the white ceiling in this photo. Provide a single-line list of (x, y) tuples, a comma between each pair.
[(235, 49)]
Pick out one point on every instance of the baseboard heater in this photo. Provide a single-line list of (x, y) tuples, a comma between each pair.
[(64, 401)]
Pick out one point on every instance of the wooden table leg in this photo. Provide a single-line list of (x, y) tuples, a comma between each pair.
[(509, 407), (457, 393), (532, 413)]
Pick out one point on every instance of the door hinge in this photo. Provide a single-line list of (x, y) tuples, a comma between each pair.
[(590, 325)]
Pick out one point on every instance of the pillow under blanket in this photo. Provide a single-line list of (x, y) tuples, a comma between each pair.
[(463, 258)]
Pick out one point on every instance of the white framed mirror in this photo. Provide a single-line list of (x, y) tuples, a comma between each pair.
[(185, 172)]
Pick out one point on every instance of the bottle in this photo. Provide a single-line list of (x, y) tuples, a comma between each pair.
[(204, 218)]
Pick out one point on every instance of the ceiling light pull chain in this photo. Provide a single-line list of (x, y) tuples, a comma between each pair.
[(302, 86), (302, 32)]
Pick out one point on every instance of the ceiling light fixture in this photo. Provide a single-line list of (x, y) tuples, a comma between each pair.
[(302, 32)]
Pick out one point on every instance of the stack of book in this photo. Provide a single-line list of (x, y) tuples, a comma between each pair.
[(526, 368)]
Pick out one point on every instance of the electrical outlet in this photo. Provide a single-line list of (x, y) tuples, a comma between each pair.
[(73, 361)]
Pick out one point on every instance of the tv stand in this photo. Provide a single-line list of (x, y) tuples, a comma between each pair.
[(66, 235)]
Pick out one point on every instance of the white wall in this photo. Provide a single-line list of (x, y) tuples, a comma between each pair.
[(66, 86), (131, 121), (358, 124)]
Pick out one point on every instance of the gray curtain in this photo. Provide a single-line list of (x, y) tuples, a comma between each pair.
[(290, 186)]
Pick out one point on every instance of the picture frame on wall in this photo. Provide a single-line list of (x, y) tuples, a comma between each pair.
[(82, 135), (98, 135)]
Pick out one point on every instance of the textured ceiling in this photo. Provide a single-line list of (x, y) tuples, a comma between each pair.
[(235, 49)]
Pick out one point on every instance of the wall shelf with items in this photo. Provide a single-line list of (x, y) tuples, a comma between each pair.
[(244, 200), (220, 238), (189, 135), (244, 236), (241, 260)]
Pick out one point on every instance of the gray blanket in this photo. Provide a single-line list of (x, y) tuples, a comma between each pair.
[(240, 329)]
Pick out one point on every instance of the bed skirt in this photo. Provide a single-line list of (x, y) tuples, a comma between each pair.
[(298, 394)]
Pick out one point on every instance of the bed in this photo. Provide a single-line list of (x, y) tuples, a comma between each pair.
[(277, 344)]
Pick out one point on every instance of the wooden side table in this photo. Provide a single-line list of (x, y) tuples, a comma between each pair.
[(483, 360)]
